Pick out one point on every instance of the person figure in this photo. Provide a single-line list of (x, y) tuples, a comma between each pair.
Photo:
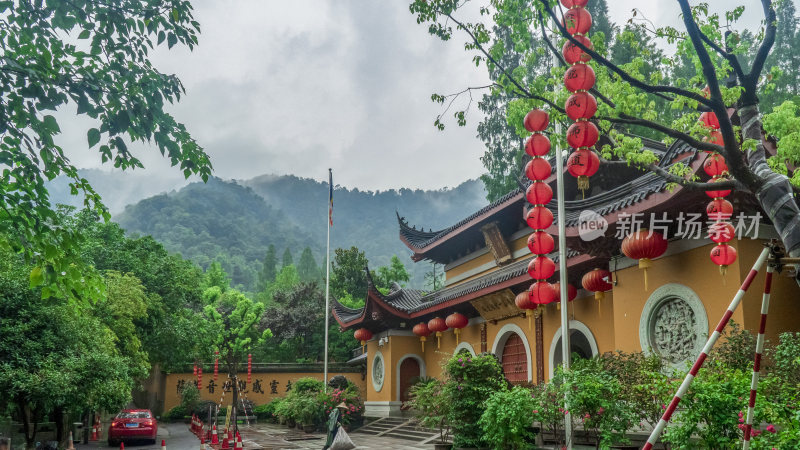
[(334, 423)]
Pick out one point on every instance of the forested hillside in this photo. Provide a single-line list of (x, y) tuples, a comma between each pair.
[(236, 222)]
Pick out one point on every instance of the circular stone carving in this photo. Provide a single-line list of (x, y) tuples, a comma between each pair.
[(674, 324), (378, 372)]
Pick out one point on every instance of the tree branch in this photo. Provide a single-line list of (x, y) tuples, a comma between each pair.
[(751, 81), (734, 62), (688, 184), (649, 88), (671, 132)]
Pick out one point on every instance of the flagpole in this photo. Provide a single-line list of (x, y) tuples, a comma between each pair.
[(328, 277)]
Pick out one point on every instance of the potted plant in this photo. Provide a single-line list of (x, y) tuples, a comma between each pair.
[(307, 412), (432, 404)]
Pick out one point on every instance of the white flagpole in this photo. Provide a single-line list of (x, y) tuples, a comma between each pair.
[(328, 277), (562, 275)]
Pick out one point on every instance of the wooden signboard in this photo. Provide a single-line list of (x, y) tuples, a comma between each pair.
[(496, 243), (497, 306)]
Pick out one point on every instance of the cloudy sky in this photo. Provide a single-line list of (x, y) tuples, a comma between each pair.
[(296, 87)]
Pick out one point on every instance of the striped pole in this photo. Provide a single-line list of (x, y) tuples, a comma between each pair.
[(748, 426), (659, 428)]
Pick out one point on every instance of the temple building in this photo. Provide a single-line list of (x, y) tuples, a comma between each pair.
[(485, 258)]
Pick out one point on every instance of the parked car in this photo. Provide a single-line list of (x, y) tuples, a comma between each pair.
[(132, 424)]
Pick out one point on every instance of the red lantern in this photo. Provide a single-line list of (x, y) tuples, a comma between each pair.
[(577, 21), (200, 378), (581, 105), (715, 165), (539, 217), (723, 255), (249, 368), (363, 335), (572, 291), (457, 321), (538, 169), (597, 281), (541, 268), (539, 193), (719, 209), (537, 145), (644, 246), (720, 193), (720, 232), (437, 325), (541, 243), (582, 134), (573, 54), (582, 164), (523, 301), (421, 329), (715, 138), (194, 370), (710, 120), (574, 3), (216, 365), (542, 293), (536, 120), (579, 77)]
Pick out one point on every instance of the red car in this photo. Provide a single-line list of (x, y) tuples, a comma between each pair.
[(132, 424)]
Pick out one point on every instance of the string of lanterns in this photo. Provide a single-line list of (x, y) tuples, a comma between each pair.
[(249, 368), (538, 217), (719, 209), (216, 365), (581, 105)]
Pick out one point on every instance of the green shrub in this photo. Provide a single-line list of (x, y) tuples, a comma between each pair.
[(432, 405), (507, 420), (189, 397), (350, 396), (175, 414), (470, 381), (267, 410), (306, 385)]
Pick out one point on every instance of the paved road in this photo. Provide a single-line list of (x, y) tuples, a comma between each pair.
[(176, 435)]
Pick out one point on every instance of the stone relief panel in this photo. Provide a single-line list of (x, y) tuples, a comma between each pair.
[(673, 324), (378, 372)]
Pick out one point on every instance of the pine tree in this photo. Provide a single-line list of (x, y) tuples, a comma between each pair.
[(287, 258), (216, 276), (307, 268), (269, 269)]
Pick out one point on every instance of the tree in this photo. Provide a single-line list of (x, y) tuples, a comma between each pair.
[(348, 275), (269, 269), (216, 276), (627, 96), (56, 359), (287, 258), (104, 72), (307, 268), (395, 272), (235, 327)]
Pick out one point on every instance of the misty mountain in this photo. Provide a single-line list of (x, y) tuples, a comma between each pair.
[(234, 222)]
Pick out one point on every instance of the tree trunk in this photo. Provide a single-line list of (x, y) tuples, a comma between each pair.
[(775, 195), (28, 425), (62, 426)]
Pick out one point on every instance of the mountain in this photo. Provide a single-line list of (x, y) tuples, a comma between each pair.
[(236, 221)]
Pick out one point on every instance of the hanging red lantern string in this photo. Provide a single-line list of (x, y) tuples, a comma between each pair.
[(581, 106), (421, 329), (438, 326), (523, 301), (199, 378), (249, 368), (456, 321), (719, 209), (363, 335), (216, 365), (644, 246), (538, 217)]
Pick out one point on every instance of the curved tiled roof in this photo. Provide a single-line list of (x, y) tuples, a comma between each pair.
[(603, 203)]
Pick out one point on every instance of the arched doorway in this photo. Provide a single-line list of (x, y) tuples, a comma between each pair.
[(409, 370), (581, 343), (515, 359)]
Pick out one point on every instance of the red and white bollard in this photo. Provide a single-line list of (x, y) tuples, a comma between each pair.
[(163, 444), (214, 436), (748, 425), (659, 428)]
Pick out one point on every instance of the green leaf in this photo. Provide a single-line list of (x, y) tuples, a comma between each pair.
[(36, 277), (171, 40), (51, 124), (94, 136), (84, 34)]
